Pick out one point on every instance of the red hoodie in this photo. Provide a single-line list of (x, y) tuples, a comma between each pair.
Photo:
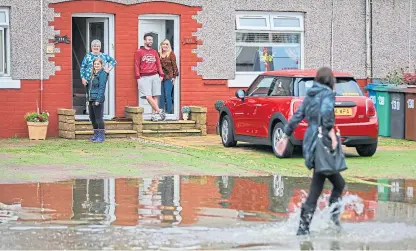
[(147, 63)]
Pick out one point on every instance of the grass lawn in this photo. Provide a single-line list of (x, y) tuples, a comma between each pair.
[(21, 159)]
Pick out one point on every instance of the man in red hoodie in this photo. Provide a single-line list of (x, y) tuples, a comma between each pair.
[(149, 75)]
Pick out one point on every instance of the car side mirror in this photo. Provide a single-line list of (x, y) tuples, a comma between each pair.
[(241, 94)]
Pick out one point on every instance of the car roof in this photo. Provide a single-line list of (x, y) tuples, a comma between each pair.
[(301, 73)]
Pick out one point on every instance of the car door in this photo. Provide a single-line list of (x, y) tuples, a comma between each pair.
[(253, 105)]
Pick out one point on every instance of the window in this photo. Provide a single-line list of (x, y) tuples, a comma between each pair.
[(343, 87), (271, 86), (4, 42), (268, 42)]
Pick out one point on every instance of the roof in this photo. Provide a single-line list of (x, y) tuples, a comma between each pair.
[(302, 73)]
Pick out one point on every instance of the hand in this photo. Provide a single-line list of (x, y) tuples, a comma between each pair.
[(97, 103), (281, 146), (84, 81), (107, 70), (173, 81), (161, 78), (334, 143)]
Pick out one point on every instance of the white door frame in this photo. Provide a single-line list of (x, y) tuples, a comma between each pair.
[(111, 53), (176, 48)]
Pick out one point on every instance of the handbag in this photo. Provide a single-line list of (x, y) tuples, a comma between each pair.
[(328, 161)]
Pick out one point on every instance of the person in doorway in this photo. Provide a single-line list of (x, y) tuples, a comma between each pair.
[(149, 75), (319, 102), (170, 69), (87, 63), (96, 97)]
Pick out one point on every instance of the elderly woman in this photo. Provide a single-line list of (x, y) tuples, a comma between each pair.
[(87, 68), (87, 62)]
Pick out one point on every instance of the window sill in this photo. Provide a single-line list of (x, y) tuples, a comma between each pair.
[(243, 79), (9, 83)]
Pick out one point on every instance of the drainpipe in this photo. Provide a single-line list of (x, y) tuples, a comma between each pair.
[(368, 38), (410, 33), (332, 36), (41, 56)]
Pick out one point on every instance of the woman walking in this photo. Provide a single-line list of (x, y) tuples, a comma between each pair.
[(318, 103), (96, 97), (170, 68)]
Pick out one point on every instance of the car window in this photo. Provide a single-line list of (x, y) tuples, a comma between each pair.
[(343, 87), (261, 87), (282, 87)]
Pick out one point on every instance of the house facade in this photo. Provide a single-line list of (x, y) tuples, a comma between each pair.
[(221, 46)]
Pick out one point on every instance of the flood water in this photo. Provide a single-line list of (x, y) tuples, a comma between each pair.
[(202, 212)]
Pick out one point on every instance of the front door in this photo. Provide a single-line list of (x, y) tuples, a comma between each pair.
[(161, 27), (85, 29)]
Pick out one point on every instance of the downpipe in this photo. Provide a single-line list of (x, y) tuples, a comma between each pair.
[(369, 38)]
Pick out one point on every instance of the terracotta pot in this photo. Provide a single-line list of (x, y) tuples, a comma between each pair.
[(37, 130), (185, 116)]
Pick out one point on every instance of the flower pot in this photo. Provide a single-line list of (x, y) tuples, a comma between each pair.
[(37, 130), (185, 116)]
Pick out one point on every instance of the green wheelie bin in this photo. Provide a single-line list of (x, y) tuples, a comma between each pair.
[(383, 109)]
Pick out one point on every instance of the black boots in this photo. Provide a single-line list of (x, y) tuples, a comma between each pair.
[(335, 211), (306, 215)]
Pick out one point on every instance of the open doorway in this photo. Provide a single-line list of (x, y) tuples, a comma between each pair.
[(162, 27), (85, 29)]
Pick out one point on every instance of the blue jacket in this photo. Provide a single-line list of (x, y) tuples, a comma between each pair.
[(310, 109), (96, 87), (87, 63)]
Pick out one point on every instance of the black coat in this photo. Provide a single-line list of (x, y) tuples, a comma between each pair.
[(310, 109)]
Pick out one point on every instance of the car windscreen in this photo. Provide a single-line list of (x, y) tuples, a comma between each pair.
[(343, 87)]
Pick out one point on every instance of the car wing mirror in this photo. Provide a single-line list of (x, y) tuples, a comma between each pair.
[(241, 94)]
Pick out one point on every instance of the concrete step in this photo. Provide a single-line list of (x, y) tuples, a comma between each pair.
[(171, 133), (109, 125), (108, 134), (169, 125)]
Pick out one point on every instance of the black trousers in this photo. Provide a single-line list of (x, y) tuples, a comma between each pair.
[(317, 185), (96, 113)]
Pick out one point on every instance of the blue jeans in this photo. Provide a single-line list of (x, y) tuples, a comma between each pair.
[(166, 96)]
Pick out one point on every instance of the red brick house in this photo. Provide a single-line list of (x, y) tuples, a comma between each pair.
[(220, 47)]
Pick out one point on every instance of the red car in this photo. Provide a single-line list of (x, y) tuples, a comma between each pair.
[(259, 114)]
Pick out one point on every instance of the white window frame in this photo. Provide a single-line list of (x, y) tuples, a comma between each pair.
[(244, 79), (6, 82)]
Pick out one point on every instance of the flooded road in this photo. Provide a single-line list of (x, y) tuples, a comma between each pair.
[(201, 212)]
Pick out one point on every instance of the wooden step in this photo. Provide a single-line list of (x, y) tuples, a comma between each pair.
[(169, 125), (171, 133), (109, 125), (108, 134)]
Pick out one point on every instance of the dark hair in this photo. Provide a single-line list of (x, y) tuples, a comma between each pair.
[(326, 77), (147, 35)]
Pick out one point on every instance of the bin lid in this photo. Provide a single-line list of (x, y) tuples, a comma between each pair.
[(384, 87)]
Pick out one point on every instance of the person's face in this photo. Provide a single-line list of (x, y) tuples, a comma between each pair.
[(95, 49), (97, 65), (165, 46), (148, 41)]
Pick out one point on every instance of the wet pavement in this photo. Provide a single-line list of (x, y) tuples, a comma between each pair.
[(202, 212)]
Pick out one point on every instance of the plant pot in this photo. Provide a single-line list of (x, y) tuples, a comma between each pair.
[(185, 116), (37, 130)]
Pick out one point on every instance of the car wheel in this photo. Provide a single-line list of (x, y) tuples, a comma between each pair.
[(277, 135), (227, 136), (366, 150)]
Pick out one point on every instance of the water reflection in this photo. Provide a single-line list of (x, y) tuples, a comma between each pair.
[(189, 200)]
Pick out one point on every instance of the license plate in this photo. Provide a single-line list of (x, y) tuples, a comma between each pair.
[(343, 111)]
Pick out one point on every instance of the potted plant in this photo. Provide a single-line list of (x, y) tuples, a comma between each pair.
[(185, 112), (37, 124)]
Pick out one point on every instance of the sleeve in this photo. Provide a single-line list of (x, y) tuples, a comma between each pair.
[(159, 66), (296, 119), (84, 66), (137, 64), (327, 110), (102, 82), (175, 66), (110, 60)]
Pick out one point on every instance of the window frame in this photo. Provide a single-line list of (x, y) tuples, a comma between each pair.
[(252, 16), (271, 15), (6, 38)]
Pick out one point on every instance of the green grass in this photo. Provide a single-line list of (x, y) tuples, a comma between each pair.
[(129, 158)]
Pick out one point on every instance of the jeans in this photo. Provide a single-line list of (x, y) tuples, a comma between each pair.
[(317, 186), (166, 96), (96, 113)]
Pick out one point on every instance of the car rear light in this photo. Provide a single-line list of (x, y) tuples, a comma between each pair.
[(370, 108), (295, 105)]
